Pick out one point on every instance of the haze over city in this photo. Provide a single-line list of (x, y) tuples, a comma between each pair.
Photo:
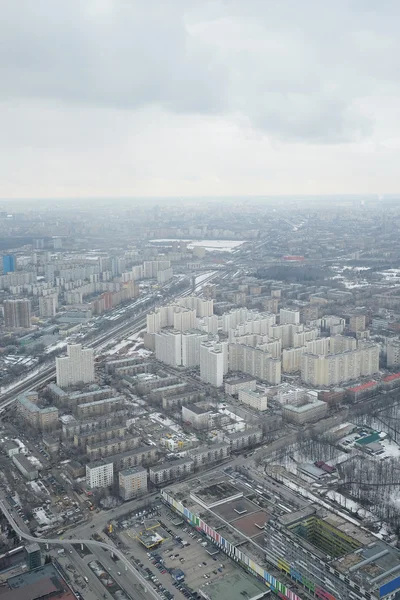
[(199, 300)]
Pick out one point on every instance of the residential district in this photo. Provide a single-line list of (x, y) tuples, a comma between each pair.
[(200, 400)]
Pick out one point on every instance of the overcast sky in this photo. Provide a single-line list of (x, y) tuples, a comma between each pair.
[(199, 97)]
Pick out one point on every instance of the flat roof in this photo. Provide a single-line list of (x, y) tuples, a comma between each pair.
[(253, 524), (230, 511), (305, 407), (216, 491), (238, 586), (24, 462)]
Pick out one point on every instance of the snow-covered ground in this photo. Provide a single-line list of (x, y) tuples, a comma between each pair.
[(211, 245)]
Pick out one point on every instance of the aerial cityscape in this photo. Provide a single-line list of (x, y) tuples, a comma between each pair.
[(199, 300)]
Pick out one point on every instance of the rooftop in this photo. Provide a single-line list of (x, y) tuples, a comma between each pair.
[(238, 586)]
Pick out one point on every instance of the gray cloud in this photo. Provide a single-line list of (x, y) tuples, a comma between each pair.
[(165, 97), (294, 70)]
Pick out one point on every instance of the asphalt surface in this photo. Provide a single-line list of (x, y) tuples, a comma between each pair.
[(150, 592)]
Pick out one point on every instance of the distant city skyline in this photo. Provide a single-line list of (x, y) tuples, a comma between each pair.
[(188, 99)]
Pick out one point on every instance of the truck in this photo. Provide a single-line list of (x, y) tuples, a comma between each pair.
[(61, 551)]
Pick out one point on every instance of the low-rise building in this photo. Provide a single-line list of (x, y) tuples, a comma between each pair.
[(244, 439), (232, 386), (45, 418), (25, 467), (171, 470), (10, 448), (257, 400), (305, 413), (132, 482), (206, 455)]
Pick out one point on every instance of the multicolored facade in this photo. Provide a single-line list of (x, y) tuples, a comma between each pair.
[(252, 567)]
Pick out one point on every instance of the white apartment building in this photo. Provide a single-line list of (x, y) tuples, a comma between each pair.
[(209, 324), (137, 272), (184, 319), (168, 347), (341, 343), (99, 475), (255, 362), (212, 364), (256, 400), (76, 367), (203, 307), (132, 482), (164, 275), (166, 316), (175, 348), (289, 316), (191, 341), (291, 359), (48, 305), (334, 369), (152, 267)]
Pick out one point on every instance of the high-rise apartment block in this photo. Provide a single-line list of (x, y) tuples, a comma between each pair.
[(132, 482), (17, 314), (357, 323), (8, 263), (393, 353), (152, 267), (212, 363), (77, 367), (289, 316), (99, 475), (334, 369), (48, 305), (255, 362)]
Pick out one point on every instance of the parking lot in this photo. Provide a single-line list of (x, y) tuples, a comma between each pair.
[(181, 565)]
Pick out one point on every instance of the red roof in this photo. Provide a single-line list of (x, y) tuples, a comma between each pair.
[(392, 377), (364, 386)]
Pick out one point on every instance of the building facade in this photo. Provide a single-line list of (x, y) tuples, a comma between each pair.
[(171, 471), (99, 475), (75, 368), (17, 313), (132, 482)]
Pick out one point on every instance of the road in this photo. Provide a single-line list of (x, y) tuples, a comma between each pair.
[(32, 382), (151, 593)]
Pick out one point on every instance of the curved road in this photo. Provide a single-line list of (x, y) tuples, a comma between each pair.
[(128, 565)]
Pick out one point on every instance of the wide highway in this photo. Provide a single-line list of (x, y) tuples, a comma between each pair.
[(46, 375), (127, 564)]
